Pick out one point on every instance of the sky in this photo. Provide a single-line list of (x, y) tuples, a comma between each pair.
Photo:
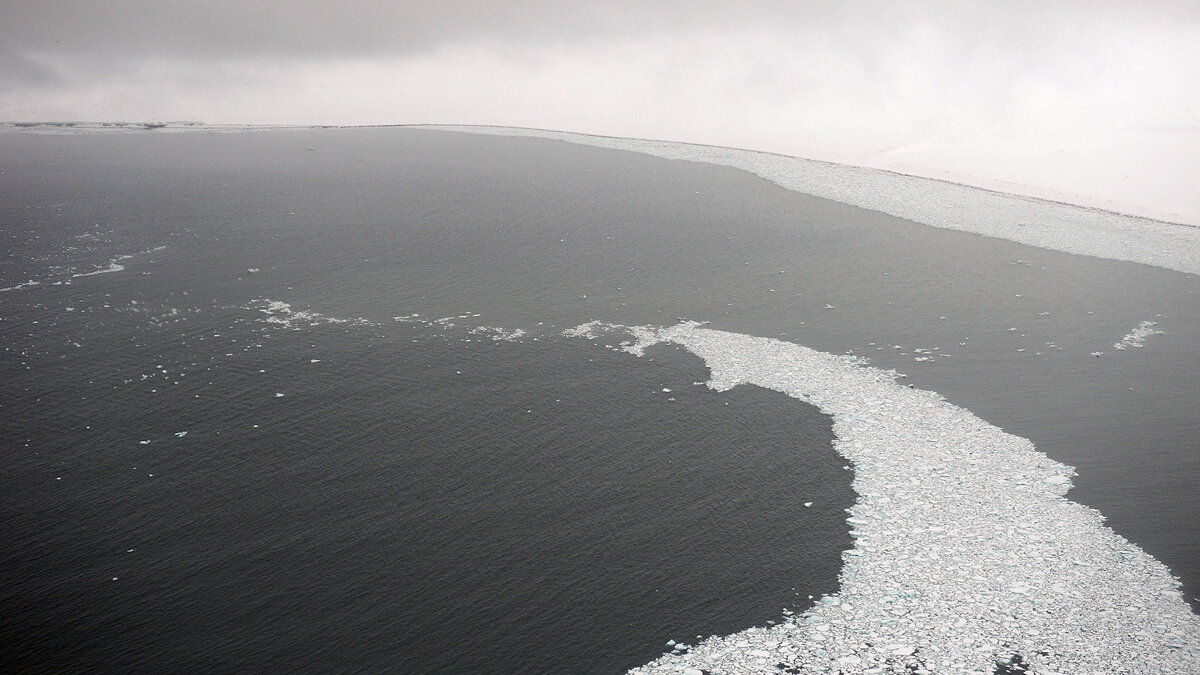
[(1092, 101)]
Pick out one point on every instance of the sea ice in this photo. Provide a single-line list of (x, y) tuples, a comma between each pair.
[(499, 334), (281, 313), (965, 550), (25, 284), (1035, 222), (112, 267), (1137, 336)]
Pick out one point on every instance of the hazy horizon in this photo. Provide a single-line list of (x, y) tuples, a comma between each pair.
[(1095, 102)]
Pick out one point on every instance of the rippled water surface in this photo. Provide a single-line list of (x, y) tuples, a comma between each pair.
[(352, 489)]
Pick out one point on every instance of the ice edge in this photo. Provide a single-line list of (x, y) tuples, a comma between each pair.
[(966, 554), (1027, 220)]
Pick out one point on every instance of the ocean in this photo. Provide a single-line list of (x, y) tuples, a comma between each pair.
[(301, 399)]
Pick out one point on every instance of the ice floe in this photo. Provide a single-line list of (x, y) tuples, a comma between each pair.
[(966, 552), (282, 314), (24, 284), (112, 267), (498, 333), (115, 265), (644, 336), (1137, 336)]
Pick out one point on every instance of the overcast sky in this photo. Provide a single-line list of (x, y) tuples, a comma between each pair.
[(840, 80)]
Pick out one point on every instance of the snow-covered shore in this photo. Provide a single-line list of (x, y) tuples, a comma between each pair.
[(1036, 222), (1149, 171)]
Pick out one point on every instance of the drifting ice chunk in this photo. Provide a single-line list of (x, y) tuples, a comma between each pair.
[(1137, 337)]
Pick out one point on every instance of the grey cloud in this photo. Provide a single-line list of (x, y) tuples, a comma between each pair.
[(224, 28), (18, 71), (869, 64), (316, 28), (959, 48)]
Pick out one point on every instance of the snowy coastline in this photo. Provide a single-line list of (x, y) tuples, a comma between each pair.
[(937, 202), (1027, 220)]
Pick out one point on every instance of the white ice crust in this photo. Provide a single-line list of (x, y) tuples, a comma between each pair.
[(114, 265), (25, 284), (1137, 336), (966, 551), (281, 313), (1041, 223)]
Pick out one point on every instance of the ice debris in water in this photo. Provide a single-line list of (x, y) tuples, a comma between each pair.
[(496, 333), (1137, 336), (112, 267), (966, 551), (644, 336), (25, 284), (282, 314), (499, 333)]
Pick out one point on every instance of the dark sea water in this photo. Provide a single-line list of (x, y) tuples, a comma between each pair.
[(423, 498)]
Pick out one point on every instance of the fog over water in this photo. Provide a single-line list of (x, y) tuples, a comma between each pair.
[(1093, 103)]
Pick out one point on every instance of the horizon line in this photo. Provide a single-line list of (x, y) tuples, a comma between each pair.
[(152, 125)]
